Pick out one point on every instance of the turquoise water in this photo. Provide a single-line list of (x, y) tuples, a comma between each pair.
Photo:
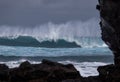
[(76, 42), (52, 52), (92, 53)]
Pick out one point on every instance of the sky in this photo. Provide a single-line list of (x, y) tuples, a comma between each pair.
[(36, 12)]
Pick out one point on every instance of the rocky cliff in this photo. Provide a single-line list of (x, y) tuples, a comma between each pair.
[(110, 26)]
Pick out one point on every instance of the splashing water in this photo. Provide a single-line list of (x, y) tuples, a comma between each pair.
[(85, 34), (50, 30)]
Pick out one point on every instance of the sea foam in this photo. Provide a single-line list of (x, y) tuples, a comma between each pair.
[(85, 68)]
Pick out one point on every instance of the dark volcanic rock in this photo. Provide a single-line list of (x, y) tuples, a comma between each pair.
[(3, 72), (24, 64), (110, 26), (109, 73), (3, 67), (47, 71), (92, 79)]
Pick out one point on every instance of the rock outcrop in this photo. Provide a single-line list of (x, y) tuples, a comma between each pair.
[(110, 26), (47, 71), (109, 73)]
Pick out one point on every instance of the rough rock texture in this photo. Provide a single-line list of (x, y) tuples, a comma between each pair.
[(109, 73), (47, 71), (110, 26)]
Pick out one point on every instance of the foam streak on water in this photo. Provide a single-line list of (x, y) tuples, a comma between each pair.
[(86, 68)]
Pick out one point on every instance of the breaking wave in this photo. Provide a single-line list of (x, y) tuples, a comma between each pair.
[(69, 34), (32, 42), (28, 41)]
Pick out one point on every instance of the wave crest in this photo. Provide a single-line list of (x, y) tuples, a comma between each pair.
[(89, 28), (84, 33)]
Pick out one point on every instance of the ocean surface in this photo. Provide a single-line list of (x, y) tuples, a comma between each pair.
[(85, 53), (77, 42)]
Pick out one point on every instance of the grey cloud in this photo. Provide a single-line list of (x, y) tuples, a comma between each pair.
[(34, 12)]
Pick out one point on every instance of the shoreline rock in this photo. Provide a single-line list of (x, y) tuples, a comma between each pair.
[(47, 71), (110, 27)]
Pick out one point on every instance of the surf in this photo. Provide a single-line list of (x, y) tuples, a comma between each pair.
[(71, 34), (28, 41)]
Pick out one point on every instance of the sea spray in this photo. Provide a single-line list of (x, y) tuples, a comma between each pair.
[(69, 30), (83, 33)]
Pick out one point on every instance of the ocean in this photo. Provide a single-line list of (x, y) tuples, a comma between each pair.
[(91, 52), (76, 42)]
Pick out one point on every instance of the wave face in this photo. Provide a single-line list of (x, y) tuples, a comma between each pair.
[(28, 41), (32, 42)]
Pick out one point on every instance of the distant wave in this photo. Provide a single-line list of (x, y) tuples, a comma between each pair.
[(69, 34), (28, 41)]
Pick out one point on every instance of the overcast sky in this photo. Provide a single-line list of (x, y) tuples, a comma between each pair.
[(36, 12)]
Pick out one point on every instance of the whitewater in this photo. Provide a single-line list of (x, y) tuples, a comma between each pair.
[(81, 45), (50, 30), (77, 33)]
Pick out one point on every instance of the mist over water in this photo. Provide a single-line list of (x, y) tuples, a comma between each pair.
[(89, 28), (84, 33)]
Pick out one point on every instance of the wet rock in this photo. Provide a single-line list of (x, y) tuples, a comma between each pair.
[(3, 67), (24, 64), (47, 71), (92, 79), (110, 25), (109, 73), (3, 72), (72, 80)]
